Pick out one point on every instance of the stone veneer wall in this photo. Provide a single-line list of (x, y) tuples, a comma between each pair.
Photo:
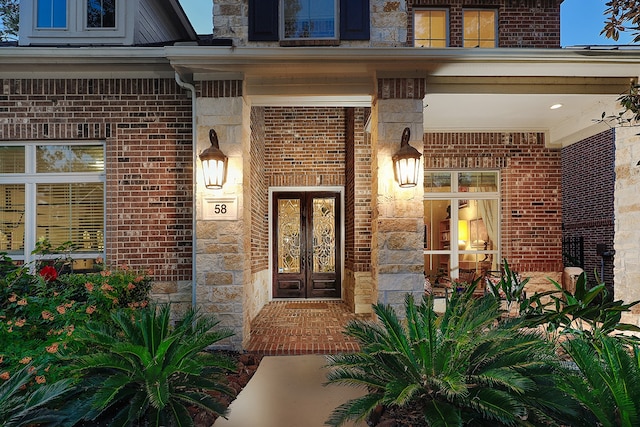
[(146, 126), (522, 23), (398, 214), (626, 268), (223, 261), (588, 183), (531, 205)]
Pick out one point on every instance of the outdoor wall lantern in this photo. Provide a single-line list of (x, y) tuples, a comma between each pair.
[(406, 162), (214, 164)]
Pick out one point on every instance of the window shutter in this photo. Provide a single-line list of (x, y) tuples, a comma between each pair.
[(263, 20), (354, 19)]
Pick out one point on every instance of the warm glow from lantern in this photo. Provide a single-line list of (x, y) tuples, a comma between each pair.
[(214, 164), (214, 173), (406, 162), (407, 172)]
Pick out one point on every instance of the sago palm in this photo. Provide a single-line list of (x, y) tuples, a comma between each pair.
[(21, 405), (142, 371), (606, 380), (461, 368)]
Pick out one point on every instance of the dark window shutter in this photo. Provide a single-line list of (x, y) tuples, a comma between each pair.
[(263, 20), (354, 19)]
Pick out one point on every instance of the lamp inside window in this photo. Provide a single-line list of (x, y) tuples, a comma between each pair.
[(406, 162), (214, 164)]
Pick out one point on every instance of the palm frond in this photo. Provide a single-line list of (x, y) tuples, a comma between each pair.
[(354, 410)]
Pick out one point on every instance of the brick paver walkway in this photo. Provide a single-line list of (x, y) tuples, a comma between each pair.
[(302, 327)]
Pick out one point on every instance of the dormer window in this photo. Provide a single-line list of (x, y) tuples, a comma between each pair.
[(52, 14), (309, 19), (101, 13)]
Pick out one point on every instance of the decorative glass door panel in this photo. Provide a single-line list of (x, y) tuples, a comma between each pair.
[(306, 245), (289, 229)]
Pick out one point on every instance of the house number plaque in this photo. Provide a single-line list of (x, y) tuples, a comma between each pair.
[(220, 208)]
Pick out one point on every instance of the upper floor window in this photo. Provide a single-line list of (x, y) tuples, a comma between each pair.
[(479, 28), (51, 14), (309, 19), (101, 13), (275, 20), (430, 28), (53, 192)]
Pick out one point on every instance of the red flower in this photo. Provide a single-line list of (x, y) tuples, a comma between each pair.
[(49, 273)]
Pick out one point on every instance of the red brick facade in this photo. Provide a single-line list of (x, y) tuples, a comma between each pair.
[(521, 23), (588, 183), (530, 189), (259, 194), (146, 126), (304, 146)]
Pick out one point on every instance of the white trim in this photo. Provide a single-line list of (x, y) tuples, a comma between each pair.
[(30, 179), (454, 252), (335, 189)]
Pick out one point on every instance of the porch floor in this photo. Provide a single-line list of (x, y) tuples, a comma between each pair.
[(302, 327)]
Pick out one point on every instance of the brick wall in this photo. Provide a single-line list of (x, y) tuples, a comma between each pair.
[(521, 23), (588, 183), (259, 195), (304, 146), (358, 195), (530, 190), (146, 124)]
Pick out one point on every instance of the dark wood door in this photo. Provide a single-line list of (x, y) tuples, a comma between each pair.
[(306, 245)]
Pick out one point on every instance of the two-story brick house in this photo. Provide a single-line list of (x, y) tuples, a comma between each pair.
[(104, 112)]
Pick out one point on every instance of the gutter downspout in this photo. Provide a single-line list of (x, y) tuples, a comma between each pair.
[(194, 142)]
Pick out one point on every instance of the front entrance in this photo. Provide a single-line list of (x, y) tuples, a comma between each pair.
[(306, 245)]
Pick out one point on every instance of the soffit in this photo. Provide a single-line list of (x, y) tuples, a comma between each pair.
[(467, 89)]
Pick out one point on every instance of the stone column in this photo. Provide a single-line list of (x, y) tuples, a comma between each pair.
[(222, 256), (398, 213), (626, 243)]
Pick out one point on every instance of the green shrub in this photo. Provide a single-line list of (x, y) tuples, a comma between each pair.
[(461, 368), (589, 312), (606, 380), (40, 311), (139, 369)]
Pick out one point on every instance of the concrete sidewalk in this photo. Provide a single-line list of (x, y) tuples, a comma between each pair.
[(288, 391)]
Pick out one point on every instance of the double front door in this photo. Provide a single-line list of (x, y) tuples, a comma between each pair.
[(306, 245)]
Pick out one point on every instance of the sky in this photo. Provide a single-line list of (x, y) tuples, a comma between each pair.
[(581, 21)]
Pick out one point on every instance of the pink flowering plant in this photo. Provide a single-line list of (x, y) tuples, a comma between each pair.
[(41, 308)]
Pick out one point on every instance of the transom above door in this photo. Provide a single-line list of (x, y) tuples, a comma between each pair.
[(306, 244)]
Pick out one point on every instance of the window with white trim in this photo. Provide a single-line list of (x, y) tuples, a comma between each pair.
[(462, 224), (52, 191), (101, 13), (480, 28), (51, 14), (430, 28)]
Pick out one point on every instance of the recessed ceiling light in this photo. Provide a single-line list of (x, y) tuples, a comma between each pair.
[(555, 106)]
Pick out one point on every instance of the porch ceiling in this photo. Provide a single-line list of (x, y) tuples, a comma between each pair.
[(467, 89)]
